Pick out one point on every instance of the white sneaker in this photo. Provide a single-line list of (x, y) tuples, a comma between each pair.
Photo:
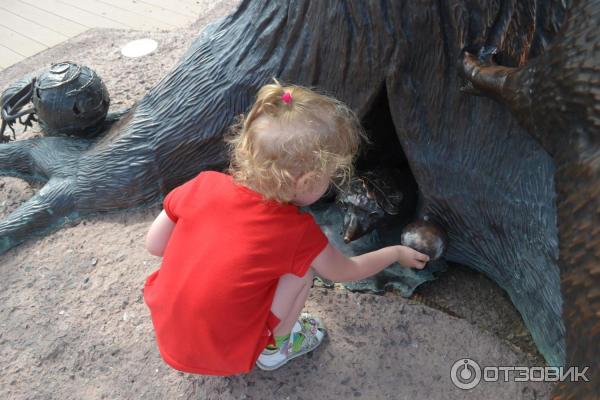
[(308, 326)]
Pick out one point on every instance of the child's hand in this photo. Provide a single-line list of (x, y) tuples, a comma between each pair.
[(412, 258)]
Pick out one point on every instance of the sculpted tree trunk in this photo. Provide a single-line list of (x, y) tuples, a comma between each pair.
[(481, 175), (557, 98)]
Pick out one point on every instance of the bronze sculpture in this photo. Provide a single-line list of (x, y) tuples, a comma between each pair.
[(482, 177), (426, 237), (377, 198), (68, 99), (556, 97)]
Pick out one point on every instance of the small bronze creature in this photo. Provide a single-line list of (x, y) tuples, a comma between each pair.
[(68, 99), (377, 198)]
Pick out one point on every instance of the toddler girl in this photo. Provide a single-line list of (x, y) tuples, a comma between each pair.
[(239, 255)]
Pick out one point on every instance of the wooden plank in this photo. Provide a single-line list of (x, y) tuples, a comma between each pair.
[(9, 57), (31, 30), (74, 14), (188, 9), (43, 17), (132, 20), (18, 43), (160, 14)]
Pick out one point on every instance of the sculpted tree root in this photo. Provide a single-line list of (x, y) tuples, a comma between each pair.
[(486, 181)]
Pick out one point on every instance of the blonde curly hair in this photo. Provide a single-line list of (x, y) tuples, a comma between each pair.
[(283, 137)]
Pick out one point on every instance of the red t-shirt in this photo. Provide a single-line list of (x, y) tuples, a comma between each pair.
[(211, 298)]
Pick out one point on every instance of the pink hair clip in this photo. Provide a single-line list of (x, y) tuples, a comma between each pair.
[(286, 97)]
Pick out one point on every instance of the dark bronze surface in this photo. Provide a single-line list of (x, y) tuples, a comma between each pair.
[(377, 198), (68, 99), (556, 97), (425, 237)]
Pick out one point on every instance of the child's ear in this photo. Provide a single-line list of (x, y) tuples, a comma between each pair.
[(304, 181)]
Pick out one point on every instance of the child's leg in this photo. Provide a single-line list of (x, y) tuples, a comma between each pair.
[(290, 296), (288, 303)]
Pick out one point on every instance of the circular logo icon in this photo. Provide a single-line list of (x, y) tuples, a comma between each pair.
[(465, 374)]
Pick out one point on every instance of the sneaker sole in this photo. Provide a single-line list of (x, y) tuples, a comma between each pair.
[(276, 366)]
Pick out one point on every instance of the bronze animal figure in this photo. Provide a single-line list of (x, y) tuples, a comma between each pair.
[(68, 99), (377, 198)]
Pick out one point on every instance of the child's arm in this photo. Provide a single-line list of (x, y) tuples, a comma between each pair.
[(333, 265), (159, 234)]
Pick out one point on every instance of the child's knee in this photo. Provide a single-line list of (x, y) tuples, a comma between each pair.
[(308, 277)]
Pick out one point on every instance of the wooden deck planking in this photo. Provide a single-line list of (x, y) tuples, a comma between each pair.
[(189, 9), (9, 57), (18, 43), (30, 26), (29, 29), (127, 18), (42, 17), (152, 11), (75, 14)]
